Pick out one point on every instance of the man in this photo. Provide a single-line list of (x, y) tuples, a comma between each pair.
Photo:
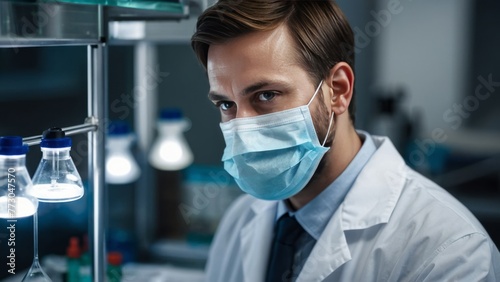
[(326, 202)]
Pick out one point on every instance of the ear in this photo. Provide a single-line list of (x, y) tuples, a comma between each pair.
[(341, 86)]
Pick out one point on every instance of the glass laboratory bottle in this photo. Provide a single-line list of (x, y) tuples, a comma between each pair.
[(85, 262), (16, 200), (121, 166), (114, 271), (73, 260), (171, 150), (56, 178)]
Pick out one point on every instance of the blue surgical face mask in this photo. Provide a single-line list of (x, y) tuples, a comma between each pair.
[(273, 156)]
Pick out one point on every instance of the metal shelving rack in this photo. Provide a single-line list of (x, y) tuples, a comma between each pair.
[(55, 23)]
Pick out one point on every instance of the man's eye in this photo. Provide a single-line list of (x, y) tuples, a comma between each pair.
[(266, 96), (224, 105)]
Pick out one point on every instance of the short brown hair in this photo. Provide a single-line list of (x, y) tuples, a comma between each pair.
[(320, 30)]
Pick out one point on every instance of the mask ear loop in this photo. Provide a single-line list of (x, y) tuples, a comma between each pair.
[(329, 127), (316, 92), (331, 118)]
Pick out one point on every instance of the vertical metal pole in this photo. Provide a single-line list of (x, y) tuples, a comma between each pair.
[(145, 99), (97, 101)]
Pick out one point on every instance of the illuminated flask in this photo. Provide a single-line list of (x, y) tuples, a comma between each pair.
[(121, 166), (56, 178), (15, 182), (171, 150)]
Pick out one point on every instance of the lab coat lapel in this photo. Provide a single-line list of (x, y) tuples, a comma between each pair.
[(370, 201), (256, 239), (329, 253), (377, 188)]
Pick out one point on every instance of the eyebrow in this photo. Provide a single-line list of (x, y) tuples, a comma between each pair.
[(214, 96), (254, 87)]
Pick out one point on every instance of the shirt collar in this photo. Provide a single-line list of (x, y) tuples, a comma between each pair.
[(316, 214)]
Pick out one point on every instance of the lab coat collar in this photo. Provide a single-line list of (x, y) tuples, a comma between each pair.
[(370, 201)]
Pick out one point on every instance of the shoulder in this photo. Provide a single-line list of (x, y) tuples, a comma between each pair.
[(428, 235), (443, 231), (423, 198)]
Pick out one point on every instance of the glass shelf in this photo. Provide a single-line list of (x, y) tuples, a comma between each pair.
[(131, 13), (138, 9), (25, 23), (43, 24), (172, 6), (158, 32), (178, 28)]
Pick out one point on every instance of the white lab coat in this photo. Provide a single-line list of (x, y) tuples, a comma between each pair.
[(394, 225)]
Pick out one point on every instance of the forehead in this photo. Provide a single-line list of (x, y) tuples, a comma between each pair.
[(252, 57)]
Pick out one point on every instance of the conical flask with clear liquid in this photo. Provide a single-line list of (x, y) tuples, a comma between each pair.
[(56, 178), (15, 182)]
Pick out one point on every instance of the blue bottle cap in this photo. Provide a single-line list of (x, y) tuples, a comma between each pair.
[(55, 138), (118, 128), (12, 145), (171, 114)]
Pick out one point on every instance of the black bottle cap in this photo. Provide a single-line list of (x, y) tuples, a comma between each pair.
[(53, 133)]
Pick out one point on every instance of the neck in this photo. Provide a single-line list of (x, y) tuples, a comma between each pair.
[(343, 150)]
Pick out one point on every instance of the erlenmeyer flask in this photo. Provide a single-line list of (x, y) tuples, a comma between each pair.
[(171, 151), (15, 182), (121, 166), (56, 178)]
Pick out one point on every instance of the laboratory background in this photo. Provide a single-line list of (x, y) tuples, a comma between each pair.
[(427, 76)]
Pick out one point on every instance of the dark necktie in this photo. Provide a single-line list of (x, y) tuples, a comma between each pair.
[(287, 231)]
